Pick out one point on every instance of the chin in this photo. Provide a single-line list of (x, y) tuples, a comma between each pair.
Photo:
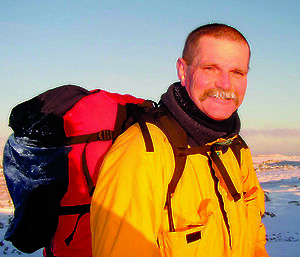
[(220, 115), (217, 109), (220, 118)]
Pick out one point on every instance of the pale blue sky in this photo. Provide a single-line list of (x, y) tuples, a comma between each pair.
[(132, 47)]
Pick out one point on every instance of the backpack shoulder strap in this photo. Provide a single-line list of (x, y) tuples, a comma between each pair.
[(161, 117), (177, 137), (178, 140), (216, 164), (134, 111), (236, 147)]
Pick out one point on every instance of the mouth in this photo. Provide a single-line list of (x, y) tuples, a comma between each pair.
[(221, 94)]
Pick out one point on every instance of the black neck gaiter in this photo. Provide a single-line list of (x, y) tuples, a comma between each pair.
[(199, 126)]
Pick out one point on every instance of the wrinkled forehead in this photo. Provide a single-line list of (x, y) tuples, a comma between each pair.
[(212, 46)]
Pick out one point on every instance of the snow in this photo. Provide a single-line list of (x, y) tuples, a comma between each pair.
[(280, 179)]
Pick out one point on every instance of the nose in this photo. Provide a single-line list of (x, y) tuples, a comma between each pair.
[(223, 81)]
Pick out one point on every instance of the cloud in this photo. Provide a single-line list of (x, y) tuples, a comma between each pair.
[(282, 132), (273, 141)]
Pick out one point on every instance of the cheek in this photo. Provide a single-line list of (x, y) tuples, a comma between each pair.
[(241, 90), (199, 83)]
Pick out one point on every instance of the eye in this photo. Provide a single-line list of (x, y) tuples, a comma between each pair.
[(238, 73), (209, 68)]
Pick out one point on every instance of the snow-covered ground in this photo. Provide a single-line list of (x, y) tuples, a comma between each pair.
[(280, 178)]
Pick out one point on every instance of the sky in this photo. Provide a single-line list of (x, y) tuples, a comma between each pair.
[(132, 47)]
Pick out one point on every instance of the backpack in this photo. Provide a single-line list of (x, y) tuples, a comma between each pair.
[(52, 159)]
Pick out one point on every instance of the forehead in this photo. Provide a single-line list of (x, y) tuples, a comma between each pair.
[(221, 50)]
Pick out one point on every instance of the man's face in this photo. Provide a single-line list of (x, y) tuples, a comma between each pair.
[(216, 81)]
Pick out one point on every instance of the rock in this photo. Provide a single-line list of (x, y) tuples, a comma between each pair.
[(294, 202)]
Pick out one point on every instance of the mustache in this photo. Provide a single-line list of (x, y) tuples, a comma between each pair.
[(220, 93)]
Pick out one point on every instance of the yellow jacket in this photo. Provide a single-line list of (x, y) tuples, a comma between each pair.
[(128, 217)]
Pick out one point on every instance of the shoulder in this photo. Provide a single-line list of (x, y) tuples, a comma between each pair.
[(133, 139), (129, 165)]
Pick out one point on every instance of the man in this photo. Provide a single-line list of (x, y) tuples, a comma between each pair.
[(128, 214)]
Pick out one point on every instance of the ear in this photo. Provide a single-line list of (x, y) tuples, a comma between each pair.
[(181, 71)]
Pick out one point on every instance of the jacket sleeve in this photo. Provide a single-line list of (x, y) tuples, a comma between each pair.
[(254, 198), (130, 195)]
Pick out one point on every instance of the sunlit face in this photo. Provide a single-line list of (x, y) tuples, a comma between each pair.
[(216, 81)]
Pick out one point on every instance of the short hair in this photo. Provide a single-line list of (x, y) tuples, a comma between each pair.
[(216, 30)]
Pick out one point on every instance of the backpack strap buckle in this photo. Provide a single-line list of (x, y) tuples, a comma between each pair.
[(105, 135)]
